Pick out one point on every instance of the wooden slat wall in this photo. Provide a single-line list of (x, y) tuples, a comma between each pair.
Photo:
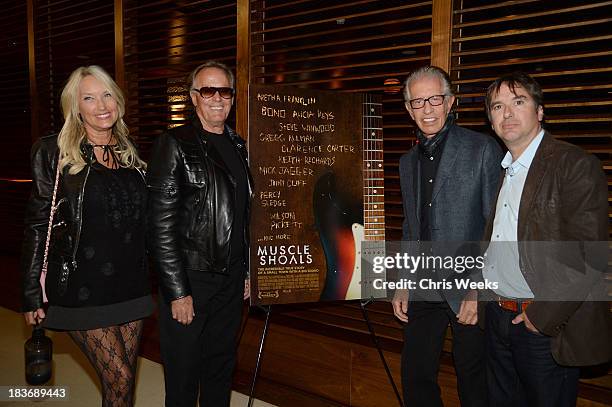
[(65, 35), (566, 46), (15, 116), (68, 34), (164, 40), (15, 101), (349, 46)]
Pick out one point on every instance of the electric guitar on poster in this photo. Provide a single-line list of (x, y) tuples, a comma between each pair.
[(342, 224)]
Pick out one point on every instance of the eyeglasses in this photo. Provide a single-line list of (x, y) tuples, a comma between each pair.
[(209, 91), (435, 100)]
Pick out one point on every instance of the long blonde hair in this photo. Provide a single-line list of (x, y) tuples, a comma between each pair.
[(73, 132)]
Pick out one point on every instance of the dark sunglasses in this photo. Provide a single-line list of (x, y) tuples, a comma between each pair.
[(209, 91)]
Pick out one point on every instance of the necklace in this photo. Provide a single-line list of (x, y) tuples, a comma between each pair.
[(109, 155)]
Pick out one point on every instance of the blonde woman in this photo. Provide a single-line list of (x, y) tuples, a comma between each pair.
[(97, 280)]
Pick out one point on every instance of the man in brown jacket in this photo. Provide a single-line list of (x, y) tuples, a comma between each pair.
[(550, 220)]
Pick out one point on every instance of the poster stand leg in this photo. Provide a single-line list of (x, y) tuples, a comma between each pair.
[(243, 324), (364, 303), (268, 310)]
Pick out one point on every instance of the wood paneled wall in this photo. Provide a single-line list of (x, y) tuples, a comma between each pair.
[(15, 114), (164, 41), (565, 47)]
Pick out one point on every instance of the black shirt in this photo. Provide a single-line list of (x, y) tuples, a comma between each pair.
[(111, 252), (429, 169)]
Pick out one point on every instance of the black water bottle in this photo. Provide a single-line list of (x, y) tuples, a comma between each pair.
[(38, 357)]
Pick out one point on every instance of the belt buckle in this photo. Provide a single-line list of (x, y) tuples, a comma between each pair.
[(514, 305), (510, 305)]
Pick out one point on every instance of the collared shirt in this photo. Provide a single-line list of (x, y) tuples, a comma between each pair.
[(502, 257)]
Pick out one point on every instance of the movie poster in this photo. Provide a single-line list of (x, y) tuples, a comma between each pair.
[(316, 159)]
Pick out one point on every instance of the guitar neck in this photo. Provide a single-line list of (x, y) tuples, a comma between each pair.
[(373, 170)]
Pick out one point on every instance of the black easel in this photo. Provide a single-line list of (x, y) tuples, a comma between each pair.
[(268, 310), (364, 304)]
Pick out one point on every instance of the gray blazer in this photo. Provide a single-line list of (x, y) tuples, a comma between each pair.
[(464, 190)]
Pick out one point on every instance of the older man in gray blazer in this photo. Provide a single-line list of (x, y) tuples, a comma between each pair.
[(448, 183)]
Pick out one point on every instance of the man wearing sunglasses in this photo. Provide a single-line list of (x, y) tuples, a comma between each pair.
[(199, 192), (448, 183)]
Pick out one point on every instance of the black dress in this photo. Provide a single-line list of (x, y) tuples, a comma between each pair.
[(110, 285)]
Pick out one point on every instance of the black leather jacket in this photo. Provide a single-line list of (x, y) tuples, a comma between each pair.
[(191, 207), (66, 228)]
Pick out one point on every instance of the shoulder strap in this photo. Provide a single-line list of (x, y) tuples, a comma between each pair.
[(51, 214)]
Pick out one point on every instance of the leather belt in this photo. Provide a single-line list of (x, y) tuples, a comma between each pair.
[(513, 305)]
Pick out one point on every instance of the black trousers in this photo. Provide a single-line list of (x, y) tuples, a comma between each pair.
[(201, 356), (423, 341), (521, 371)]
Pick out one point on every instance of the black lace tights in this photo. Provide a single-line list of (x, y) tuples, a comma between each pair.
[(113, 352)]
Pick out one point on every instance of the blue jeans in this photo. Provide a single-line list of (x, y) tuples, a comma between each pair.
[(521, 371)]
